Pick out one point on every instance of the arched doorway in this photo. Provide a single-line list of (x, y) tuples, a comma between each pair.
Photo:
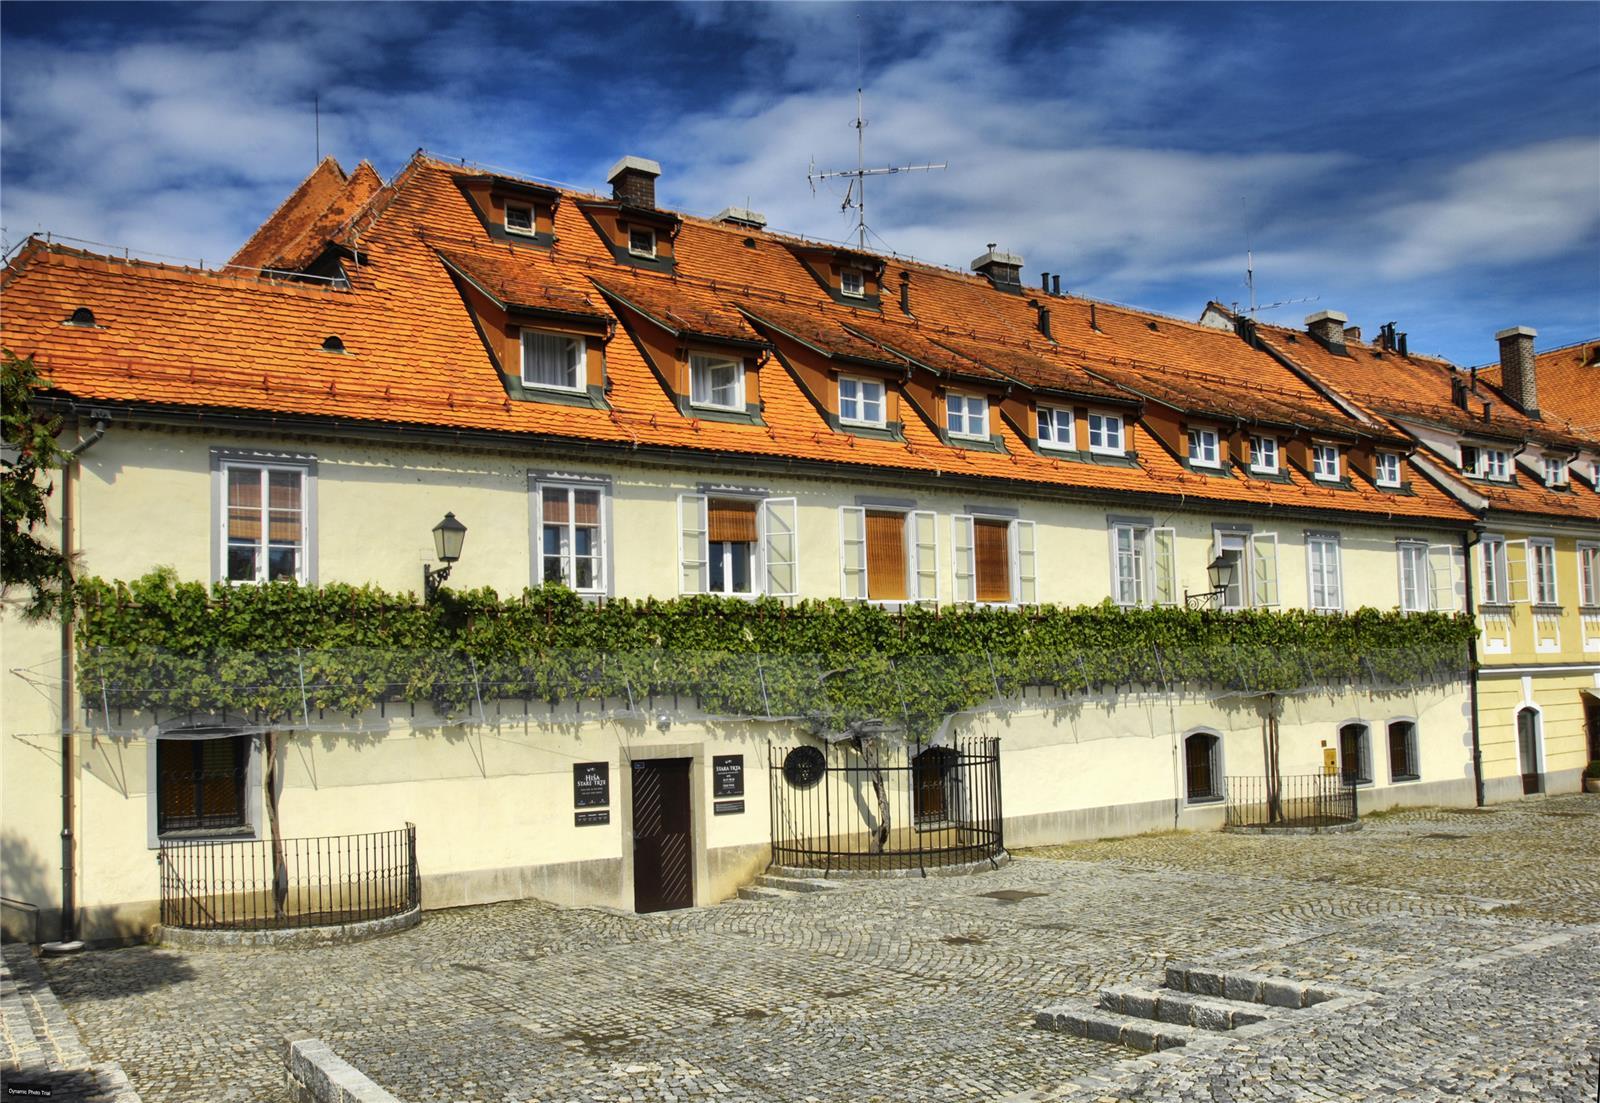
[(1528, 739)]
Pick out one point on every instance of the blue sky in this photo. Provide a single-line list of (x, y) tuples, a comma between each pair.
[(1433, 164)]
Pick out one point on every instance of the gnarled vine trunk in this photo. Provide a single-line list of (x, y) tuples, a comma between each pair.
[(280, 865)]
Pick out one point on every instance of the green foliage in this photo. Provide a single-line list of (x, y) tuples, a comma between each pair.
[(31, 453), (160, 643)]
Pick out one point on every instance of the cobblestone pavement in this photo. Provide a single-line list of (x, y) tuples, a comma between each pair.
[(1480, 951)]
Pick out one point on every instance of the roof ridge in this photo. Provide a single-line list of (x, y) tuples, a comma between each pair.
[(291, 198)]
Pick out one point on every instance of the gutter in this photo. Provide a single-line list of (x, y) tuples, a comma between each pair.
[(68, 941), (1468, 540)]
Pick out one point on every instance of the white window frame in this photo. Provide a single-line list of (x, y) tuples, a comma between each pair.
[(634, 250), (1258, 446), (1238, 542), (921, 555), (1474, 469), (569, 559), (1588, 575), (1204, 448), (577, 368), (1262, 581), (861, 285), (1053, 416), (1494, 576), (860, 401), (533, 220), (1555, 472), (1495, 464), (1021, 549), (1542, 572), (966, 400), (1383, 476), (704, 361), (305, 565), (1325, 466), (1102, 427), (776, 552), (1332, 583), (1415, 576), (1144, 560)]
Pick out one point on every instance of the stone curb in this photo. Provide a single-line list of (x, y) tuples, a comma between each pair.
[(182, 938), (45, 1037), (313, 1073), (982, 865)]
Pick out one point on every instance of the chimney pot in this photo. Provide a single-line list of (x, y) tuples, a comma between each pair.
[(1516, 367), (1004, 270), (633, 181), (1327, 326), (905, 292)]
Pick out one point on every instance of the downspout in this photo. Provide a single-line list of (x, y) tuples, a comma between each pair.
[(69, 470), (1468, 541)]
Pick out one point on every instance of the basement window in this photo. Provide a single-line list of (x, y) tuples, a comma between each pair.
[(519, 220), (642, 242)]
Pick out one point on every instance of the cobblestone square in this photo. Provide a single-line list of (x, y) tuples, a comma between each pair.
[(1473, 937)]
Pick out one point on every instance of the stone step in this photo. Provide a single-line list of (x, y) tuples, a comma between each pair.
[(1244, 987), (756, 892), (791, 883), (1165, 1005), (1101, 1025)]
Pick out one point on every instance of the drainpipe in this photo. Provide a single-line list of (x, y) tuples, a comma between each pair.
[(1468, 541), (69, 470)]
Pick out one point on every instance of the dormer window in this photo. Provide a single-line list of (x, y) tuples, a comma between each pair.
[(642, 242), (1388, 469), (1264, 455), (1497, 464), (1471, 460), (1325, 463), (852, 283), (551, 360), (1555, 472), (860, 401), (1057, 429), (967, 415), (1105, 434), (716, 382), (519, 219), (1203, 448), (83, 316)]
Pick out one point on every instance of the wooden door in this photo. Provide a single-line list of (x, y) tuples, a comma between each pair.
[(1591, 723), (1528, 751), (663, 849)]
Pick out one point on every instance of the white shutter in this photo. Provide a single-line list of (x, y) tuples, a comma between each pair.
[(966, 583), (780, 546), (1442, 578), (1336, 576), (1164, 566), (1516, 572), (1025, 569), (1264, 570), (692, 543), (853, 553), (924, 540)]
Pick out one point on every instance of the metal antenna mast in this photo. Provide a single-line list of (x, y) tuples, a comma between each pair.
[(1250, 281), (856, 194)]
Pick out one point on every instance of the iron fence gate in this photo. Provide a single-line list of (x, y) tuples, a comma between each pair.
[(323, 881), (840, 807), (1298, 800)]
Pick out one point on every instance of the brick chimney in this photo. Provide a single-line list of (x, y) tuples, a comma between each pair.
[(1352, 333), (1516, 368), (1004, 270), (633, 181), (1327, 326)]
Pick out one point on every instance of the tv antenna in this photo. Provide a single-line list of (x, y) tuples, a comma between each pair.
[(855, 194), (1250, 282)]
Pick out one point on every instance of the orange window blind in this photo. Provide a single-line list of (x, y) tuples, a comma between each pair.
[(886, 556), (994, 560), (731, 521)]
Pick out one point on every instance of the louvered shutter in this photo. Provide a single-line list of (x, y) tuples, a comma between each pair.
[(780, 546), (965, 574), (925, 556), (1026, 566), (853, 553), (692, 543), (991, 540), (1164, 557), (1264, 570), (886, 556)]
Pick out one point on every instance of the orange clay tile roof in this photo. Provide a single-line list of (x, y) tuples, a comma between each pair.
[(288, 225), (173, 338), (1569, 386)]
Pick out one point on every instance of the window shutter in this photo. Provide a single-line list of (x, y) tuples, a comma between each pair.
[(1126, 580), (886, 556), (853, 553), (1335, 575), (1027, 569), (992, 540), (692, 543), (1264, 570), (730, 521), (1442, 580), (965, 574), (925, 556), (780, 546), (1516, 572), (1164, 556)]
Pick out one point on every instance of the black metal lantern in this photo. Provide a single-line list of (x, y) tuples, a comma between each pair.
[(448, 536), (1222, 570)]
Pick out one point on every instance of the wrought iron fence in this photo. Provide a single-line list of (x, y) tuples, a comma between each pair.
[(1294, 800), (323, 881), (885, 807)]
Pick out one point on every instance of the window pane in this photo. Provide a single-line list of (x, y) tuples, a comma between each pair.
[(549, 360), (242, 562), (282, 563)]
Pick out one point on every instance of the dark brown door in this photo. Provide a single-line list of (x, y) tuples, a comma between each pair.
[(1591, 721), (1528, 751), (663, 852)]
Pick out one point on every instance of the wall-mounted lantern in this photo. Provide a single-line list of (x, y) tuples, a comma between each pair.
[(448, 536)]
